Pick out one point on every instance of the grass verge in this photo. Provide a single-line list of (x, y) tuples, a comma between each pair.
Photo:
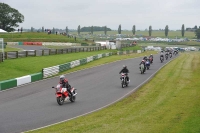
[(13, 68), (169, 103)]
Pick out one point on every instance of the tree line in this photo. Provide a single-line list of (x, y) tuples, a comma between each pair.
[(10, 17)]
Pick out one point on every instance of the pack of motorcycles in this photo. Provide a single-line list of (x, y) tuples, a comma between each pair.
[(62, 95), (143, 68)]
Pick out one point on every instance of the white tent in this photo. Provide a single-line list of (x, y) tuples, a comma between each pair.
[(2, 31)]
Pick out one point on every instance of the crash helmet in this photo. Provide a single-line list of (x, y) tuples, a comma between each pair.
[(124, 66), (62, 78)]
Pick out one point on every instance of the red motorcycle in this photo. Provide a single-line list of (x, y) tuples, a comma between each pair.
[(151, 60), (62, 94)]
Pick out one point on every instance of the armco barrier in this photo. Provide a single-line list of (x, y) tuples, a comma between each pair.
[(12, 43), (8, 84), (33, 43), (23, 80), (50, 71), (95, 57), (83, 61), (36, 77), (99, 56), (89, 59), (64, 67)]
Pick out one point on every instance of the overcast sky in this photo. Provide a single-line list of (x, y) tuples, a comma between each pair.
[(142, 13)]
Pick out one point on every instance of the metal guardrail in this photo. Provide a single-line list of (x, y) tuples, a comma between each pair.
[(28, 53)]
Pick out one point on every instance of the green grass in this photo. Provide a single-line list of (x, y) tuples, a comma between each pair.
[(13, 68), (169, 103), (36, 37), (10, 48), (171, 34), (132, 48)]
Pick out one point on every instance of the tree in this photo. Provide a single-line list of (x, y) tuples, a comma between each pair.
[(166, 30), (150, 30), (105, 30), (197, 33), (53, 31), (9, 17), (119, 29), (66, 30), (92, 30), (32, 29), (79, 29), (133, 29), (95, 28), (183, 30), (42, 29), (195, 27)]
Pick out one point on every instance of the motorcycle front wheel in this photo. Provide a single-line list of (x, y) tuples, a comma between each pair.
[(60, 100), (123, 84), (73, 98)]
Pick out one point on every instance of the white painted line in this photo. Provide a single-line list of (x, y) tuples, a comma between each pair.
[(134, 89)]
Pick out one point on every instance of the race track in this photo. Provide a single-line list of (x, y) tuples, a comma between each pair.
[(34, 105)]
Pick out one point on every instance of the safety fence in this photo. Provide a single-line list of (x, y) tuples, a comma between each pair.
[(19, 54), (20, 80), (50, 71)]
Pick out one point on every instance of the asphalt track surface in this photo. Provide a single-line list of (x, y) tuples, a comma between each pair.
[(34, 105)]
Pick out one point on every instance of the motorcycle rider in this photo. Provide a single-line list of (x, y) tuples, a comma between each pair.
[(151, 56), (145, 57), (143, 62), (161, 53), (125, 71), (65, 84)]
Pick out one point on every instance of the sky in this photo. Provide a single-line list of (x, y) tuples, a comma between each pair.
[(110, 13)]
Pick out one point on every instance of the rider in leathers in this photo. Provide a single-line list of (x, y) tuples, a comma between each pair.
[(151, 56), (126, 71), (143, 62), (65, 84)]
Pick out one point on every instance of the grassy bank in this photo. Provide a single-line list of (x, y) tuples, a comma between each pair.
[(36, 37), (169, 103), (10, 48), (13, 68)]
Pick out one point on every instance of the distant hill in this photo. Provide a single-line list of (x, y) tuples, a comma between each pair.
[(95, 28)]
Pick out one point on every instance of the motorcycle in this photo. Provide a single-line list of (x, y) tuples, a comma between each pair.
[(170, 55), (142, 69), (151, 60), (166, 56), (62, 94), (124, 81), (147, 64), (161, 58)]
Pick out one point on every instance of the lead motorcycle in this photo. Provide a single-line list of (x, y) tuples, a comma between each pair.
[(124, 81), (62, 94), (142, 68)]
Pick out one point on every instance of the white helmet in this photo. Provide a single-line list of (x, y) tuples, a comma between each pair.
[(124, 66), (62, 77)]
